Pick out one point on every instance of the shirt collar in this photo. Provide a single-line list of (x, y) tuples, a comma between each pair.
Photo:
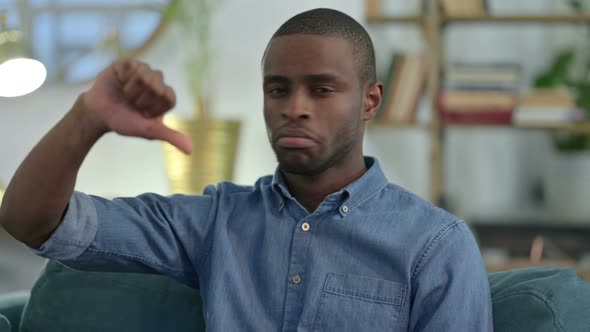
[(349, 197)]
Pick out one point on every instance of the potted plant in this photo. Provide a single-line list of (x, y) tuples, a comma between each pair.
[(215, 140), (567, 171)]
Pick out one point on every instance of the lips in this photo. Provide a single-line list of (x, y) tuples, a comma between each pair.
[(294, 139)]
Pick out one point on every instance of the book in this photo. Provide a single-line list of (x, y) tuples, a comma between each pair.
[(464, 7), (476, 101), (475, 93), (493, 76), (406, 89), (389, 85), (497, 117), (547, 106), (475, 111), (529, 116), (553, 98)]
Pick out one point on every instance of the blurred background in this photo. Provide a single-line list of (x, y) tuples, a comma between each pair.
[(523, 186)]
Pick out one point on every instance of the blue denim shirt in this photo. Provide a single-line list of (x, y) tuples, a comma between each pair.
[(372, 257)]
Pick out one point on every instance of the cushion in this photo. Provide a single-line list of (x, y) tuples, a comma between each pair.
[(540, 299), (11, 306), (4, 324), (64, 299)]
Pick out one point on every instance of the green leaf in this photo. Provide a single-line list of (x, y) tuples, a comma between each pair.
[(558, 71), (576, 5)]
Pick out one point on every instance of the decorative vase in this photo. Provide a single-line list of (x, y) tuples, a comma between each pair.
[(567, 186), (215, 146)]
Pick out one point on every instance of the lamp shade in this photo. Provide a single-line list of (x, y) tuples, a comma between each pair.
[(19, 74)]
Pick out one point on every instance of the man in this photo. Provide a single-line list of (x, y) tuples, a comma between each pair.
[(326, 244)]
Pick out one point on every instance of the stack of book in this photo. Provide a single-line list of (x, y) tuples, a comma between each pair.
[(547, 107), (464, 7), (405, 83), (479, 94)]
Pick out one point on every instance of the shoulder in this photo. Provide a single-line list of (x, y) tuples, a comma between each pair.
[(433, 228), (226, 190), (229, 188), (416, 209)]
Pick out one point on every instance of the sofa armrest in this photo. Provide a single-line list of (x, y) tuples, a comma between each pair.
[(539, 299), (11, 306)]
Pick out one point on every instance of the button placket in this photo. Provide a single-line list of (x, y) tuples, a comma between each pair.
[(298, 264)]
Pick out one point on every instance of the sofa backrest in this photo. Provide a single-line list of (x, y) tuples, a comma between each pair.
[(63, 299), (66, 300)]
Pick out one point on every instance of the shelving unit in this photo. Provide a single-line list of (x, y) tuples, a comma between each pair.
[(565, 18), (433, 24), (574, 128)]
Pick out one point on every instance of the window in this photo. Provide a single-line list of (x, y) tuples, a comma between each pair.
[(75, 39)]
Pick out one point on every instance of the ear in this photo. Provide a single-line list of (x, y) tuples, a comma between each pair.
[(372, 100)]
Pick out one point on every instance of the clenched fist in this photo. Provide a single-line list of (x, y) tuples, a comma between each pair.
[(130, 98)]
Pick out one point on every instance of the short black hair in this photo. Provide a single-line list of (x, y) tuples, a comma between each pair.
[(330, 22)]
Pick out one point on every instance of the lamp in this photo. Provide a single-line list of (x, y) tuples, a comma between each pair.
[(19, 74)]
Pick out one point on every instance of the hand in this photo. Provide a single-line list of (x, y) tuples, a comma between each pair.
[(130, 98)]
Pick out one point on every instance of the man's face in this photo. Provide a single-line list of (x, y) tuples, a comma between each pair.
[(313, 102)]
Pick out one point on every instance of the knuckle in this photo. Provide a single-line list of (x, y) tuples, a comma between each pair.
[(129, 65)]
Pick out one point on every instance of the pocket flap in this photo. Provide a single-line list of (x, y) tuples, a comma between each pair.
[(370, 289)]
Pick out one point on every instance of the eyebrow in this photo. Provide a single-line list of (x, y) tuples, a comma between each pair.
[(308, 78), (276, 79), (322, 78)]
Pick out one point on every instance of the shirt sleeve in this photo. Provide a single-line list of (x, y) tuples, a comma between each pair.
[(451, 288), (75, 233), (147, 234)]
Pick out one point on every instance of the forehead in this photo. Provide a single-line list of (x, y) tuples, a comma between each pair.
[(302, 54)]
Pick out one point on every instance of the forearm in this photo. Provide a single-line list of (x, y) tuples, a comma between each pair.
[(39, 191), (128, 98)]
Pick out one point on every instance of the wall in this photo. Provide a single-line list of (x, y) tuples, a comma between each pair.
[(123, 166)]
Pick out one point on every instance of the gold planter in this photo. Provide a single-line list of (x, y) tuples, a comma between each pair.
[(215, 144)]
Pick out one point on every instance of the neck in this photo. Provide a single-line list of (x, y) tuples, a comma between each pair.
[(310, 191)]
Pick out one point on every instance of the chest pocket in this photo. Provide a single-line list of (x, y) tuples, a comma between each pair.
[(355, 303)]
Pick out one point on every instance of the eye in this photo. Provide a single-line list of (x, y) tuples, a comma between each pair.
[(322, 90), (276, 91)]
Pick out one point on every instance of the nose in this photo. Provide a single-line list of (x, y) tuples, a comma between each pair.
[(297, 107)]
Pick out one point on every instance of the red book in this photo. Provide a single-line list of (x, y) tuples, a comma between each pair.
[(483, 115), (498, 117)]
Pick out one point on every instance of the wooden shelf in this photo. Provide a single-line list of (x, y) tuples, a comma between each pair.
[(412, 19), (574, 128), (433, 23), (486, 18)]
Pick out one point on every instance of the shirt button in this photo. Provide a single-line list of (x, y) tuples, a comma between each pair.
[(344, 209), (305, 227), (296, 280)]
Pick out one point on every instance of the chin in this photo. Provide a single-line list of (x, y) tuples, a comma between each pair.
[(301, 167), (297, 169)]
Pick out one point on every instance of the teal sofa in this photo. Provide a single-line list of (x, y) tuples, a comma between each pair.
[(62, 299)]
